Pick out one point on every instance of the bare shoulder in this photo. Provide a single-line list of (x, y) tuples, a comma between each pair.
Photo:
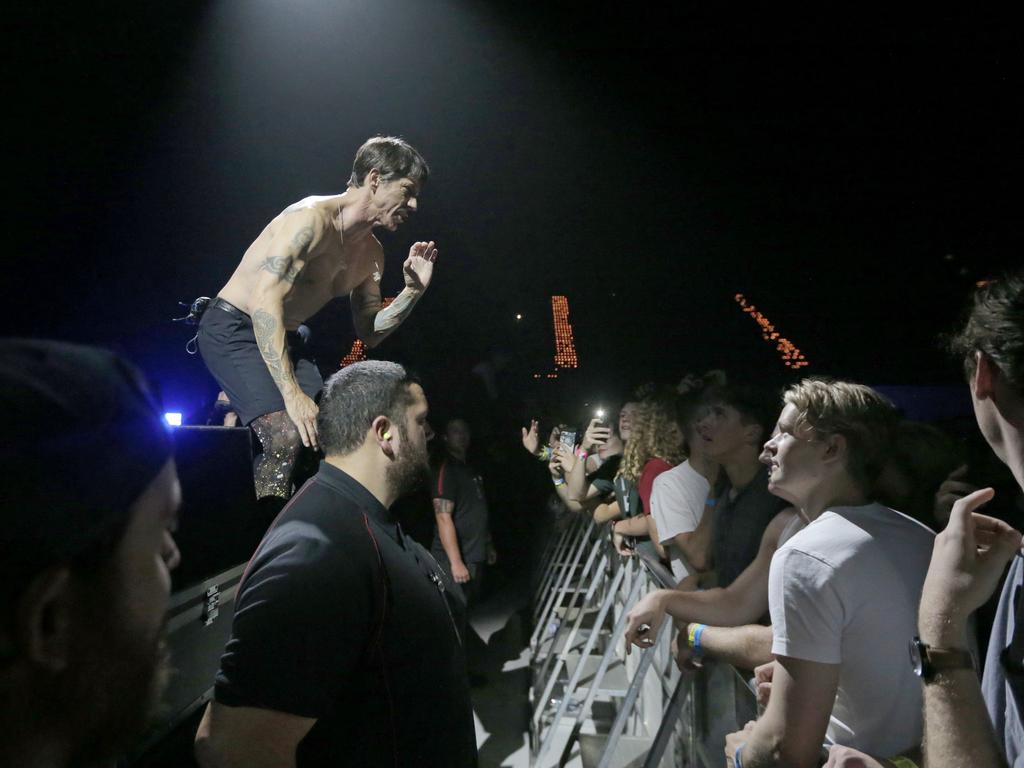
[(303, 221)]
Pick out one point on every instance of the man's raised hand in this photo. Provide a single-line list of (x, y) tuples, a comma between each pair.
[(967, 561), (531, 440), (419, 267), (595, 436)]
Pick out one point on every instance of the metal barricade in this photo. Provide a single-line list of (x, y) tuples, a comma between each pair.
[(652, 716)]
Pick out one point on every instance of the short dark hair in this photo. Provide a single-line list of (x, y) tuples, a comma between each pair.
[(354, 397), (394, 158), (756, 405), (995, 326)]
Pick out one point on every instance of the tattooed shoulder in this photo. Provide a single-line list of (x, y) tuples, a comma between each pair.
[(303, 237)]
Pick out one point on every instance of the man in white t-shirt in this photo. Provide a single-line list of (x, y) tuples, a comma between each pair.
[(843, 592), (680, 496), (678, 499)]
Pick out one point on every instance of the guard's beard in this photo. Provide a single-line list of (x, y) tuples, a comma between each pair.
[(408, 470)]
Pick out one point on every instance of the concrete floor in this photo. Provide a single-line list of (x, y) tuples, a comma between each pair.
[(499, 667)]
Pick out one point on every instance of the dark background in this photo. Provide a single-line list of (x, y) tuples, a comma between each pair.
[(852, 175)]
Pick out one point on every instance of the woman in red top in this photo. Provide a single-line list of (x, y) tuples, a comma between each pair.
[(656, 444)]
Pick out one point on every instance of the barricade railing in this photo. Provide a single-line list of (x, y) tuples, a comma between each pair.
[(592, 705)]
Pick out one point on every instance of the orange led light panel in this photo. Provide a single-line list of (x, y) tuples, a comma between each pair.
[(565, 348), (791, 355), (358, 352)]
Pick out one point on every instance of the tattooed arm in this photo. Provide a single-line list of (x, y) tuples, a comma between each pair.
[(288, 254), (372, 320)]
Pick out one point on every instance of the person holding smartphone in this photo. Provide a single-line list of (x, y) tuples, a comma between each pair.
[(656, 445)]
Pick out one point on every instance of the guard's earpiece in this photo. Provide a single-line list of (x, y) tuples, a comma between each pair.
[(387, 435)]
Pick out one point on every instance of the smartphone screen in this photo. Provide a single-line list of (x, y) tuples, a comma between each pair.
[(568, 438)]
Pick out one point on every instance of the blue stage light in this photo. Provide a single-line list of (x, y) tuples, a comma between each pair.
[(173, 419)]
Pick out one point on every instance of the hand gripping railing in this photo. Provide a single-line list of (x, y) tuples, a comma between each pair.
[(677, 713)]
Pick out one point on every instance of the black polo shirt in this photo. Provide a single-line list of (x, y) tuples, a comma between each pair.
[(341, 618), (740, 522), (459, 483)]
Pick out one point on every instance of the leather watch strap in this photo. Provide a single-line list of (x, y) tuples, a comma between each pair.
[(949, 658)]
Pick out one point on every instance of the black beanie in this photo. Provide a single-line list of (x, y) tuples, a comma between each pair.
[(81, 437)]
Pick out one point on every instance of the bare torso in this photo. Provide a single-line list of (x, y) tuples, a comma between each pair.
[(334, 268)]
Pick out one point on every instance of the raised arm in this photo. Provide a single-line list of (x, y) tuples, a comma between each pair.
[(562, 463), (373, 321), (296, 239), (968, 559), (576, 479)]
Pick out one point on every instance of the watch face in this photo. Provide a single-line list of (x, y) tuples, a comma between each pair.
[(917, 659)]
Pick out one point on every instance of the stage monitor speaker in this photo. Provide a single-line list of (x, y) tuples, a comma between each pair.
[(219, 524), (219, 527)]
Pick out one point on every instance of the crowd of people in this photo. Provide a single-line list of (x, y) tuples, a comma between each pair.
[(814, 537), (832, 548)]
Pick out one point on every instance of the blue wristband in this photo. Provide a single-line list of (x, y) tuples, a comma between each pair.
[(697, 650), (736, 756)]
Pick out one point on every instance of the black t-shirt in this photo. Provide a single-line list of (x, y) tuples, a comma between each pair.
[(628, 497), (342, 618), (603, 478), (739, 525), (457, 482)]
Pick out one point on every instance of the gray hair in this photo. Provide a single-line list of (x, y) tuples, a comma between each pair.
[(354, 397)]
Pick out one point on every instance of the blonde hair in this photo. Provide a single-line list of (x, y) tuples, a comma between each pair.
[(864, 417), (656, 434)]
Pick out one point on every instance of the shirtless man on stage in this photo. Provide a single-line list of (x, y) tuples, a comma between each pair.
[(317, 249)]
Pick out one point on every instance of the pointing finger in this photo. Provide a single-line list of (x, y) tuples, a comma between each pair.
[(960, 522)]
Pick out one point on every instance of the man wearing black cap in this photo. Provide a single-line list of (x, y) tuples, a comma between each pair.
[(345, 647), (90, 498)]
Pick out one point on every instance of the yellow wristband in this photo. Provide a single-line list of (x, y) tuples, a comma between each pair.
[(691, 634), (903, 762)]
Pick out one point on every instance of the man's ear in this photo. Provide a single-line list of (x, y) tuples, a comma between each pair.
[(383, 432), (986, 373), (373, 179), (42, 629), (836, 447)]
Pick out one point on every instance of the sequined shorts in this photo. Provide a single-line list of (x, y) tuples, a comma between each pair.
[(228, 347)]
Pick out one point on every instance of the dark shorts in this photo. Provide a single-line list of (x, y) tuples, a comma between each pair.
[(228, 347)]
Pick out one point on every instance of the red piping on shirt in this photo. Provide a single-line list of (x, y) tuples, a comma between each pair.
[(440, 477), (248, 565)]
